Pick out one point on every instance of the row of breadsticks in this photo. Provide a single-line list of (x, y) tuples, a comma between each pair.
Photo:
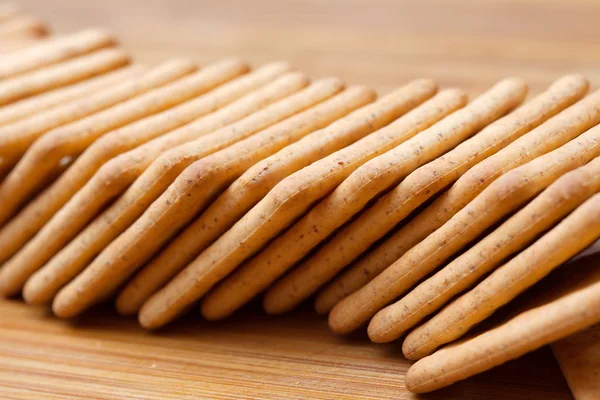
[(169, 185)]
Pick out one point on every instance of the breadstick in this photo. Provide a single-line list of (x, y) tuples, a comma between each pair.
[(424, 183), (546, 137), (55, 51), (291, 197), (571, 308), (45, 101), (117, 174), (44, 155), (355, 192), (22, 26), (60, 75), (553, 204), (580, 229), (190, 192), (579, 359), (30, 220), (12, 46), (244, 193), (503, 196)]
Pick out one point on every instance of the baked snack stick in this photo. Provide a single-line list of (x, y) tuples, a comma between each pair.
[(13, 45), (291, 198), (55, 51), (242, 195), (216, 131), (188, 194), (502, 197), (550, 206), (353, 194), (576, 232), (32, 171), (31, 219), (59, 75), (22, 26), (370, 225), (570, 304), (579, 358), (54, 98)]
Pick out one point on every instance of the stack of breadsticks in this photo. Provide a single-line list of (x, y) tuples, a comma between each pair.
[(418, 213)]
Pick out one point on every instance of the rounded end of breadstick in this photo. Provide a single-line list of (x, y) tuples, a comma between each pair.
[(379, 328), (100, 35), (61, 306), (272, 306), (126, 305), (337, 320), (418, 380), (410, 349), (575, 80), (322, 305), (8, 286), (278, 67), (211, 312), (32, 295)]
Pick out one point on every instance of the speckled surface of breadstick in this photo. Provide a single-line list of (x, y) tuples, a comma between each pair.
[(548, 136), (576, 232), (241, 196), (361, 187), (503, 196), (31, 219), (216, 131), (55, 51), (289, 199), (574, 305), (59, 75), (43, 157), (424, 183), (553, 204), (193, 189)]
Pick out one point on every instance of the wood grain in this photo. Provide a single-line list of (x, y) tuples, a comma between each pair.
[(383, 43)]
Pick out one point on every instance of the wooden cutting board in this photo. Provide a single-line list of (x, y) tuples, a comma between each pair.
[(470, 44)]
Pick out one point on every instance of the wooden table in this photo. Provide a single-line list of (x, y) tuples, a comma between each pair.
[(470, 44)]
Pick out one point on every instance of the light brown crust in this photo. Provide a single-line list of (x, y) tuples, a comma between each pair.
[(211, 133), (55, 51), (188, 194), (424, 183), (574, 304), (43, 157), (32, 218), (58, 97), (22, 26), (553, 204), (503, 196), (242, 195), (579, 358), (366, 183), (341, 204), (59, 75), (285, 202), (580, 229), (550, 135)]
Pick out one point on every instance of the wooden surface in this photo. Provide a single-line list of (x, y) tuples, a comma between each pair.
[(470, 44)]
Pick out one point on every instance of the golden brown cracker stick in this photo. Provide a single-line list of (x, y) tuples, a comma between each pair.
[(241, 196), (574, 304), (503, 196), (580, 229), (55, 76), (399, 202), (579, 358), (22, 26), (194, 188), (290, 198), (45, 101), (31, 219), (215, 131), (553, 204), (355, 192), (258, 273), (45, 154), (55, 51)]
